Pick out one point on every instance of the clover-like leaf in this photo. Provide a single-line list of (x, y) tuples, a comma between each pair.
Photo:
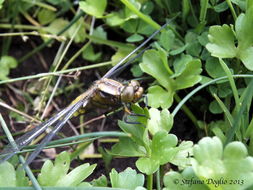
[(221, 42), (100, 182), (7, 63), (231, 164), (76, 176), (158, 97), (56, 174), (7, 175), (147, 165), (94, 7), (163, 147), (51, 173), (190, 76), (163, 150), (21, 179), (127, 147), (182, 158), (159, 120), (153, 65), (134, 38), (11, 178), (166, 39), (213, 68), (243, 28), (138, 134), (45, 16), (90, 55), (128, 179)]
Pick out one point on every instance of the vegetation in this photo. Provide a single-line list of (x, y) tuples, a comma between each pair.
[(196, 129)]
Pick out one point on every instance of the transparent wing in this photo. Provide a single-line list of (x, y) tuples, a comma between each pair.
[(58, 127), (24, 140)]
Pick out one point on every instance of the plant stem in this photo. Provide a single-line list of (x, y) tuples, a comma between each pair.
[(140, 14), (150, 182), (232, 9), (40, 75), (158, 178)]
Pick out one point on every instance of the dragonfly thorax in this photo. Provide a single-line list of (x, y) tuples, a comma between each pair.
[(132, 92)]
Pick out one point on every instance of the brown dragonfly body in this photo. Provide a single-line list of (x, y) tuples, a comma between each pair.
[(106, 93)]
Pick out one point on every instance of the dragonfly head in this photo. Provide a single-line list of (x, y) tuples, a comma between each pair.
[(132, 92)]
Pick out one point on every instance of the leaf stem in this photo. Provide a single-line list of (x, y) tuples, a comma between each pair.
[(150, 182), (140, 14), (232, 9)]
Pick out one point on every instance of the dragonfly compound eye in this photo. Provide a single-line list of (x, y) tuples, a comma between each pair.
[(132, 93), (127, 94)]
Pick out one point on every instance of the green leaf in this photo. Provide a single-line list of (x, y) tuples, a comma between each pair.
[(56, 26), (94, 7), (166, 39), (76, 176), (128, 179), (180, 65), (215, 108), (182, 158), (163, 150), (163, 147), (193, 47), (115, 18), (134, 38), (7, 175), (240, 3), (100, 33), (100, 182), (80, 35), (221, 42), (51, 173), (21, 179), (159, 121), (153, 65), (243, 28), (90, 55), (7, 63), (56, 174), (127, 147), (45, 16), (158, 97), (221, 7), (147, 165), (1, 3), (136, 71), (190, 76), (233, 163), (138, 134), (214, 68)]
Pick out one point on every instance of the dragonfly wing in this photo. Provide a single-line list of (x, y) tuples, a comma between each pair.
[(119, 64), (24, 140), (57, 128)]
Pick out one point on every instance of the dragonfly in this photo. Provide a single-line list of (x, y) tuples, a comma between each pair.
[(102, 93)]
